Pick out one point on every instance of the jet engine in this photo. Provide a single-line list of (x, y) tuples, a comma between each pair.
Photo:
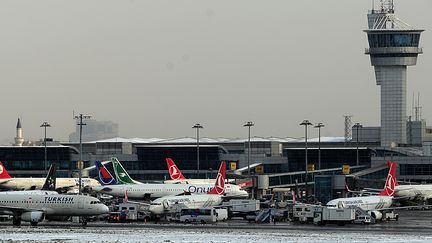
[(33, 217), (341, 205), (377, 215), (165, 204)]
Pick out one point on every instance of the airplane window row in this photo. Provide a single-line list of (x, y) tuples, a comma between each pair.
[(37, 202)]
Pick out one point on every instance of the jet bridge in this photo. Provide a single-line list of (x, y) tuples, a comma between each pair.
[(292, 179)]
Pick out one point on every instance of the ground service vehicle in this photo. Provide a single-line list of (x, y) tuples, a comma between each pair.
[(242, 208), (198, 215), (324, 215)]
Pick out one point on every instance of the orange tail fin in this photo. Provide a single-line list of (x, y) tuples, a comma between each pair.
[(391, 181), (3, 172), (174, 171), (219, 187)]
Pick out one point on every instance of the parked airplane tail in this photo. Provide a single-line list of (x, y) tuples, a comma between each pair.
[(50, 181), (391, 181), (104, 176), (3, 172), (219, 187), (174, 171), (396, 181), (121, 174)]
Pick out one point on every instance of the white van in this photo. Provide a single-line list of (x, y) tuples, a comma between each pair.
[(203, 215)]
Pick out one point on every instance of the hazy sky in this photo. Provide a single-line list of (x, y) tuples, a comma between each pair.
[(158, 67)]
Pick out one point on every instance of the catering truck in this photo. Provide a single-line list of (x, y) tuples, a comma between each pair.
[(339, 216)]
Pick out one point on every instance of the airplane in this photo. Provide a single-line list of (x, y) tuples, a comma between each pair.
[(30, 183), (152, 191), (34, 206), (422, 192), (214, 197), (373, 204)]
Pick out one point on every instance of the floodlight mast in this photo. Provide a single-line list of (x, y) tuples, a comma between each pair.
[(80, 163)]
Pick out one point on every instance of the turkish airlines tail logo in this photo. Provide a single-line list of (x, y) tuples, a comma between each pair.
[(105, 177), (391, 181), (219, 187), (174, 171), (3, 173)]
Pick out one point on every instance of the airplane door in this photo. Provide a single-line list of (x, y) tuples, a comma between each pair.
[(80, 203)]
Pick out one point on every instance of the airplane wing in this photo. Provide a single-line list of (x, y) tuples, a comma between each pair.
[(13, 210), (139, 203), (3, 181), (184, 193), (405, 207)]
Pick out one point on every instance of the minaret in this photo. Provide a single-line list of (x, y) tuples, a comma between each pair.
[(19, 139), (393, 45)]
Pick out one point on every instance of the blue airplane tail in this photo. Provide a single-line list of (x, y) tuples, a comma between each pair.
[(104, 176)]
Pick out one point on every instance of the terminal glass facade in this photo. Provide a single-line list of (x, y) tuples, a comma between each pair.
[(31, 160), (415, 169), (330, 158)]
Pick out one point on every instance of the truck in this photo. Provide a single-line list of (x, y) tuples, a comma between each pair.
[(391, 215), (339, 216), (242, 208), (203, 215), (304, 213)]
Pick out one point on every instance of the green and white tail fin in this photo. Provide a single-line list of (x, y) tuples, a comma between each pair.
[(121, 174)]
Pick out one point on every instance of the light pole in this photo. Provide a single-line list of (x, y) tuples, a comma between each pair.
[(319, 125), (45, 125), (306, 123), (357, 126), (80, 163), (249, 124), (198, 127)]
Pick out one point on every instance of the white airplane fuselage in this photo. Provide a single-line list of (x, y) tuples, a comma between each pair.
[(170, 204), (410, 192), (18, 184), (144, 191), (51, 203), (366, 203)]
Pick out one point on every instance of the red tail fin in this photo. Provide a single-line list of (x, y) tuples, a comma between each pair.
[(219, 187), (3, 173), (396, 182), (174, 171), (391, 181)]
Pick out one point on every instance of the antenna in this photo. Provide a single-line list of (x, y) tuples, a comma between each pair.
[(413, 105), (387, 6)]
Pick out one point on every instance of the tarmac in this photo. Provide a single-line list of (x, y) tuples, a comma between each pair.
[(418, 221)]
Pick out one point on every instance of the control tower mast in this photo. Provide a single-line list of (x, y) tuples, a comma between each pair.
[(393, 45)]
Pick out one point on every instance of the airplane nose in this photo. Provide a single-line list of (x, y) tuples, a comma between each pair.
[(104, 209)]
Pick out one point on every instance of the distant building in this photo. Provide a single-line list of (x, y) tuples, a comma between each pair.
[(95, 130), (19, 139)]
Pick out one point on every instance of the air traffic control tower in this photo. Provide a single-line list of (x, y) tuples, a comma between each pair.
[(393, 45)]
